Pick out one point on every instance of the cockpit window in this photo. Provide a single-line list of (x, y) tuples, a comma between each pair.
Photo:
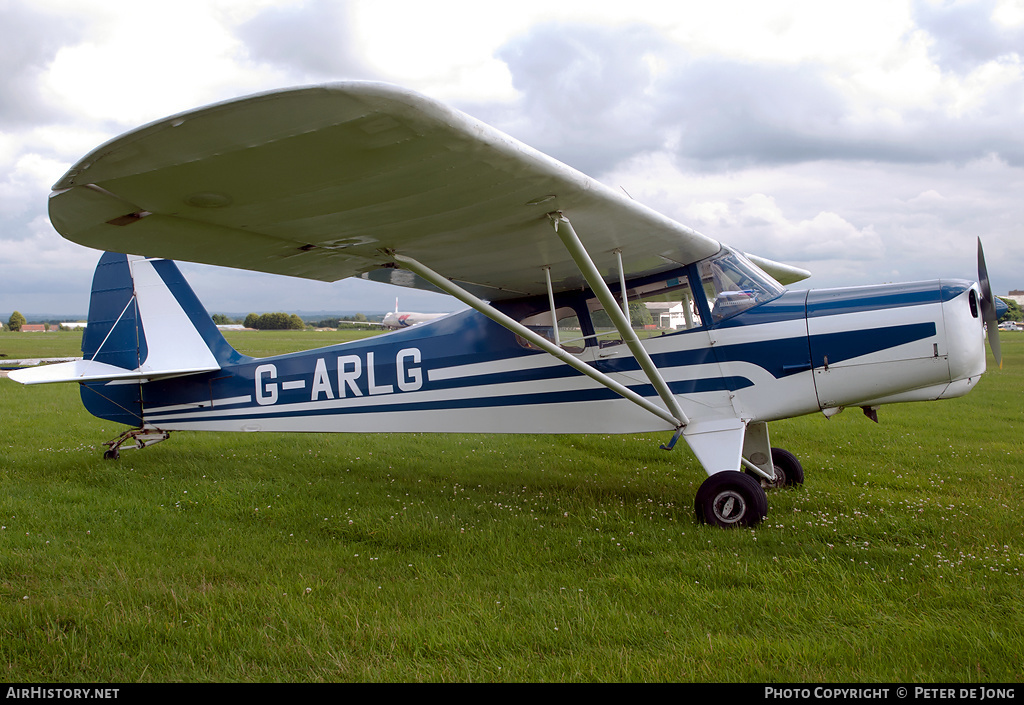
[(570, 335), (733, 284), (655, 308)]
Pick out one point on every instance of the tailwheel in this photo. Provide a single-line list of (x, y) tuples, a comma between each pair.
[(729, 499), (141, 437)]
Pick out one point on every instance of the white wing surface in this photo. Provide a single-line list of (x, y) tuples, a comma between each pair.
[(326, 182)]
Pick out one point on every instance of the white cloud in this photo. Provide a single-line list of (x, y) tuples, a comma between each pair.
[(860, 140), (1009, 13), (26, 184), (128, 73), (825, 236)]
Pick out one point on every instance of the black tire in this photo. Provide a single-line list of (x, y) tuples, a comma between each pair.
[(112, 454), (788, 471), (730, 499)]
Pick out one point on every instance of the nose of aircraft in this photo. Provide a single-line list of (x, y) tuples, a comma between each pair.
[(965, 339), (895, 342), (967, 318)]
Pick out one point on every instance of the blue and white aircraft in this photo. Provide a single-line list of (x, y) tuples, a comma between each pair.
[(371, 180)]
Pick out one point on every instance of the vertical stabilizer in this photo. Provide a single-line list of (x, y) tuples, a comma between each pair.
[(145, 322), (144, 317)]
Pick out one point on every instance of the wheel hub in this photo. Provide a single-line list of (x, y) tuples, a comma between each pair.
[(780, 479), (729, 507)]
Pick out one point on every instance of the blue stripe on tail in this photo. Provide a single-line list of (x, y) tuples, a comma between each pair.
[(115, 333)]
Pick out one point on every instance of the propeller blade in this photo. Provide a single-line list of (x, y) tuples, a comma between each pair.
[(988, 306)]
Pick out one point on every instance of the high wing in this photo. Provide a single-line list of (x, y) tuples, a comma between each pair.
[(332, 181)]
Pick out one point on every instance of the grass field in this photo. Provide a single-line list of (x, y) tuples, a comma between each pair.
[(401, 557)]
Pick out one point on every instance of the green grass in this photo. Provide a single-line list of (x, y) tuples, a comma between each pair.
[(403, 557), (265, 343), (16, 346)]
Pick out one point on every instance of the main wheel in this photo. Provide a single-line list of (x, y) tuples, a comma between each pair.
[(788, 471), (729, 499)]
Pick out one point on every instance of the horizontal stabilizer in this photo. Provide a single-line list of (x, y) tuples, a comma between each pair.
[(92, 371)]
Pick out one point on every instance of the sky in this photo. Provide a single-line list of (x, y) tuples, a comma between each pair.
[(867, 142)]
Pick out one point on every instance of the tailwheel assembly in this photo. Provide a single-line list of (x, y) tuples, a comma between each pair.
[(134, 438)]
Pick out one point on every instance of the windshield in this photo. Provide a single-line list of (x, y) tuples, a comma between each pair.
[(733, 284)]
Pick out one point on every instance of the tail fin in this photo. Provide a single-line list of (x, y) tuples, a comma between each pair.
[(145, 322)]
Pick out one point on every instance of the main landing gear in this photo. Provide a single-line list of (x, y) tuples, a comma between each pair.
[(788, 471), (732, 498)]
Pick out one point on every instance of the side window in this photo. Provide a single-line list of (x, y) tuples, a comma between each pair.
[(570, 334), (655, 308)]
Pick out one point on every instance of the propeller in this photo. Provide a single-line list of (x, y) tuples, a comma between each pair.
[(989, 307)]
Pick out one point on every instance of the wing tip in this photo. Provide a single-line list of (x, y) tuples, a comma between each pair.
[(783, 273)]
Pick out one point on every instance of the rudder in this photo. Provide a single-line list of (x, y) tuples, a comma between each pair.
[(114, 334), (143, 316)]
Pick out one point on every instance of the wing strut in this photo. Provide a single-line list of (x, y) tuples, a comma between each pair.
[(600, 288), (544, 344), (551, 303)]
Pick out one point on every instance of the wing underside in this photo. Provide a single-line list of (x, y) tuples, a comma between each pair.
[(329, 182)]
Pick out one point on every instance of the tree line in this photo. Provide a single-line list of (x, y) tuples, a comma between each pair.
[(1013, 311), (18, 320), (274, 321), (285, 321)]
